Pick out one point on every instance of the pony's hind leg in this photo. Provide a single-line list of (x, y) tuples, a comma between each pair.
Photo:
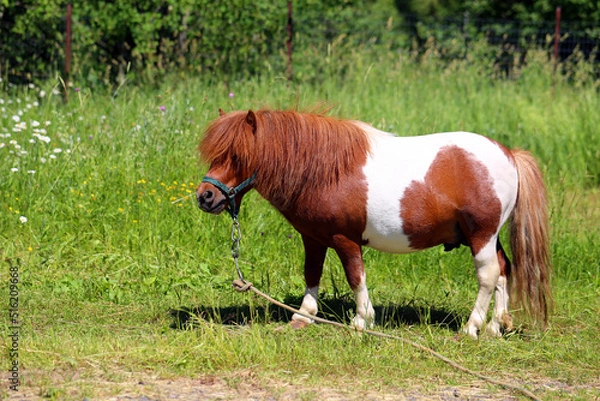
[(488, 273), (314, 257), (501, 319)]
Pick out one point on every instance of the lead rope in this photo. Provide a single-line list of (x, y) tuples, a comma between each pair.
[(241, 285)]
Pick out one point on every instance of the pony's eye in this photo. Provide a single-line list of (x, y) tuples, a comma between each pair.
[(234, 158)]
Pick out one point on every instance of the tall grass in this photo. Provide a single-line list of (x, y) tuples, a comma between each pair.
[(102, 226)]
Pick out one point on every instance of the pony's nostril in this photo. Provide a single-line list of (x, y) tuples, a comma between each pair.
[(206, 199)]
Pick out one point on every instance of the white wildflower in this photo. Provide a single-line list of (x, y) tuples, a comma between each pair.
[(35, 123), (43, 159), (43, 138), (14, 170), (57, 150), (30, 171), (16, 118), (53, 156), (23, 219)]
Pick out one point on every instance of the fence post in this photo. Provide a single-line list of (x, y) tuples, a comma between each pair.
[(556, 38), (68, 51), (290, 31)]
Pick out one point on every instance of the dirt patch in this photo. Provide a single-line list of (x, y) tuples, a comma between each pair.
[(244, 386)]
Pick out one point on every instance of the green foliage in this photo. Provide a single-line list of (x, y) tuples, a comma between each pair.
[(530, 10), (153, 36)]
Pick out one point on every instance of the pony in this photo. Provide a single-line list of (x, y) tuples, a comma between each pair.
[(343, 184)]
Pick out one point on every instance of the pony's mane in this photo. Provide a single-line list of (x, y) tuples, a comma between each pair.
[(291, 152)]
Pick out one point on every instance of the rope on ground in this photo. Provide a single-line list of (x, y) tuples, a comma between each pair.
[(243, 286)]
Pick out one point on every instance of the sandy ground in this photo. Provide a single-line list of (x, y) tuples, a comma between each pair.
[(245, 387)]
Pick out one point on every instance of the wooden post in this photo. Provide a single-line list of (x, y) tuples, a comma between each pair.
[(68, 51), (556, 38), (290, 30)]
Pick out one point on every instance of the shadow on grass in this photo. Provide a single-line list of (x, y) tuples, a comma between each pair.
[(335, 309)]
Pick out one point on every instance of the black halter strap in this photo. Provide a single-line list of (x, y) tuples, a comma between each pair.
[(230, 193)]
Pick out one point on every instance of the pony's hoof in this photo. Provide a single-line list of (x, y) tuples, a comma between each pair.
[(361, 324), (471, 331), (299, 324), (493, 329)]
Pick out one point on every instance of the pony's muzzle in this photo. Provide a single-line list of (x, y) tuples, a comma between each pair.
[(209, 202)]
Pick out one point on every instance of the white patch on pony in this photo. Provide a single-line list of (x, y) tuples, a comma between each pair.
[(309, 305), (395, 162), (488, 273), (501, 319), (365, 314)]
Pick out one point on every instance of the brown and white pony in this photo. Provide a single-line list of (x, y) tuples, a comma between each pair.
[(344, 185)]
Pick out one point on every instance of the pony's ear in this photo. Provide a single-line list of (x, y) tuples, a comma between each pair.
[(221, 112), (251, 120)]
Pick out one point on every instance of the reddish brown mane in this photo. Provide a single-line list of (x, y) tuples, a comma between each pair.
[(291, 152)]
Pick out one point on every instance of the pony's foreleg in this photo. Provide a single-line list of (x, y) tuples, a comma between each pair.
[(314, 257), (488, 272), (350, 255)]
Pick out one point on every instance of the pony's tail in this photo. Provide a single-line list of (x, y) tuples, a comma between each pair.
[(529, 242)]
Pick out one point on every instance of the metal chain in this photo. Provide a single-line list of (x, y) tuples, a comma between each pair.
[(236, 237)]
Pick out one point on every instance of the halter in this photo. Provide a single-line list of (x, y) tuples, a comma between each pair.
[(230, 193)]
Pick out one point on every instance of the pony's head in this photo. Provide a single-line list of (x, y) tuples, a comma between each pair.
[(227, 148), (295, 157)]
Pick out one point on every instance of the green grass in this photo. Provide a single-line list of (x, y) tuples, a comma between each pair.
[(106, 260)]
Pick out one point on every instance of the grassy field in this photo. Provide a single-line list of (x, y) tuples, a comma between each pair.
[(121, 279)]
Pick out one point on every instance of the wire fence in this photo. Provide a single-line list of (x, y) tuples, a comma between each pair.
[(563, 39)]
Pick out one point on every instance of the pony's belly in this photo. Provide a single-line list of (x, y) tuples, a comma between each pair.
[(386, 239)]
